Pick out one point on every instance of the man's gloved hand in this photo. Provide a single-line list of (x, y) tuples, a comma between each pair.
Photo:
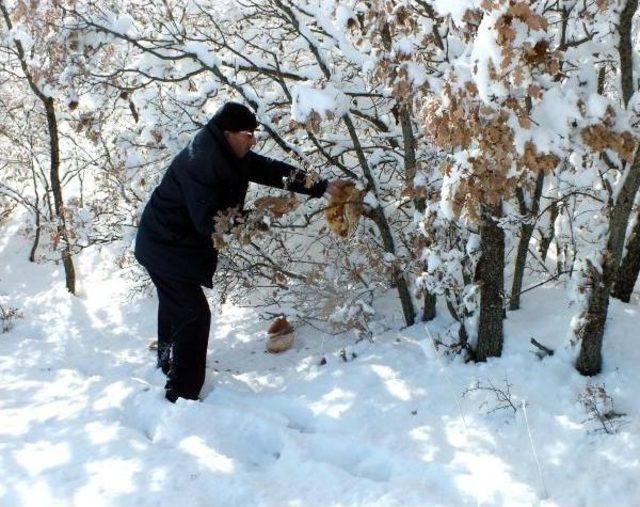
[(344, 207), (337, 187), (261, 226)]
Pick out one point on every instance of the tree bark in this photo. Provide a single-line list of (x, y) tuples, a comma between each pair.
[(429, 307), (36, 240), (590, 333), (594, 317), (490, 276), (547, 238), (591, 329), (408, 138), (625, 50), (526, 231), (630, 266), (404, 294), (379, 218), (56, 188)]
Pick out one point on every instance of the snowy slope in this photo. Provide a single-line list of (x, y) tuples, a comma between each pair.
[(83, 420)]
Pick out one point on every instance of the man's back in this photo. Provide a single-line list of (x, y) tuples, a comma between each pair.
[(174, 237)]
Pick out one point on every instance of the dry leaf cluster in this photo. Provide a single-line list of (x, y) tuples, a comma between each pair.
[(276, 206), (601, 137), (344, 210)]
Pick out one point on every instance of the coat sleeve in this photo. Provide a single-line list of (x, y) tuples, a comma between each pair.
[(200, 189), (273, 173)]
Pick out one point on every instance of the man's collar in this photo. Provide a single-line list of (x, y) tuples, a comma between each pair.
[(218, 135)]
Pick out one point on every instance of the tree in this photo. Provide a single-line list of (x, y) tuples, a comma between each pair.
[(496, 156), (312, 96), (630, 266), (41, 77), (621, 180)]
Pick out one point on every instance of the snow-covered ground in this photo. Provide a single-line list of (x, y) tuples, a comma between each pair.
[(83, 420)]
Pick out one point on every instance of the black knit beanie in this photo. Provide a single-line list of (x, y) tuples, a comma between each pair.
[(235, 117)]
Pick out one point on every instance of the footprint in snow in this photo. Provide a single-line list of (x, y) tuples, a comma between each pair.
[(359, 460)]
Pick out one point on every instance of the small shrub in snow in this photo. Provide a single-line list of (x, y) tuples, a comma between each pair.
[(503, 398), (8, 316), (355, 316), (455, 342), (600, 410)]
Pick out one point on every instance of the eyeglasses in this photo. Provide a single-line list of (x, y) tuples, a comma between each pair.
[(248, 133)]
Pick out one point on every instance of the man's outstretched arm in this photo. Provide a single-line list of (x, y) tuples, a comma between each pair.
[(277, 174)]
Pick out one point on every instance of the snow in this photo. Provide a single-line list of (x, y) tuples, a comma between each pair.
[(83, 420), (417, 74), (552, 116), (307, 99), (405, 45), (19, 33), (124, 24), (202, 52), (596, 106), (485, 53), (343, 15), (455, 9)]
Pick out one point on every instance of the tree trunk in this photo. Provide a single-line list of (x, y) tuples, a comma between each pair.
[(594, 317), (56, 187), (408, 138), (625, 50), (382, 223), (547, 237), (404, 294), (36, 240), (526, 231), (490, 276), (630, 267), (429, 308), (591, 331)]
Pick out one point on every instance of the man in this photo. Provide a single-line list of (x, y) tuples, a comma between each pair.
[(174, 240)]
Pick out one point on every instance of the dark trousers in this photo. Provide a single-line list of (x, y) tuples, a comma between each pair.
[(184, 319)]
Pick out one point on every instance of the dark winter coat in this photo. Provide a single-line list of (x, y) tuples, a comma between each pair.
[(175, 234)]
